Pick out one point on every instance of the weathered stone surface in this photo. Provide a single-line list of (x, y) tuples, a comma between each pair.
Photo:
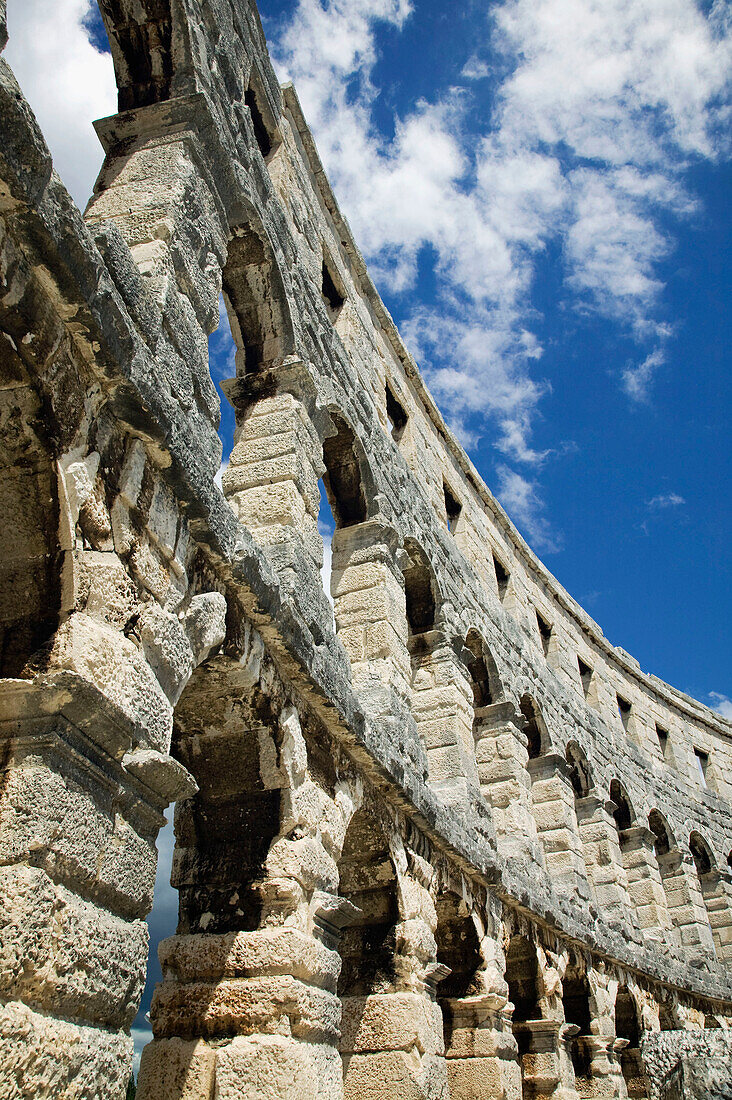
[(422, 801)]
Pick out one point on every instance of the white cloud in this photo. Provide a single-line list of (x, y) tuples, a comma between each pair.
[(721, 703), (521, 499), (604, 103), (665, 500), (67, 82)]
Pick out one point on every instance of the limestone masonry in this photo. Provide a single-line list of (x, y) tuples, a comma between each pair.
[(446, 842)]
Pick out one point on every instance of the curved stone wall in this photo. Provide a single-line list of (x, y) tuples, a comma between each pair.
[(435, 839)]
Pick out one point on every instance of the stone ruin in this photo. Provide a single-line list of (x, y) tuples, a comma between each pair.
[(439, 840)]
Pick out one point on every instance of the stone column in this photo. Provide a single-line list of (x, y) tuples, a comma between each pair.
[(482, 1054), (606, 1075), (545, 1060), (552, 797), (392, 1037), (271, 481), (716, 888), (502, 760), (685, 903), (248, 1002), (442, 706), (80, 810), (644, 881), (603, 858), (157, 190)]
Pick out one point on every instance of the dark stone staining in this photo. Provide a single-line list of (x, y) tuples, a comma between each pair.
[(700, 854), (342, 479), (368, 881), (661, 839), (141, 40)]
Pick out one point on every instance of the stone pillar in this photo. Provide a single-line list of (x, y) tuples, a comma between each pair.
[(603, 858), (502, 760), (156, 189), (271, 481), (442, 706), (552, 797), (685, 903), (248, 1001), (545, 1061), (644, 881), (606, 1076), (392, 1037), (80, 810), (481, 1051), (716, 888)]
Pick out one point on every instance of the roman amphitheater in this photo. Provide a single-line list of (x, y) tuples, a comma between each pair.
[(443, 841)]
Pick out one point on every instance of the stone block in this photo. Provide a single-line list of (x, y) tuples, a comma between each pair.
[(176, 1069), (266, 1067)]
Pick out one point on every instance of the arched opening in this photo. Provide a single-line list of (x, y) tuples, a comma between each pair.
[(458, 948), (533, 727), (623, 811), (419, 590), (687, 915), (666, 1017), (580, 775), (343, 478), (717, 895), (627, 1026), (484, 678), (576, 996), (256, 303), (522, 976), (368, 881), (367, 949)]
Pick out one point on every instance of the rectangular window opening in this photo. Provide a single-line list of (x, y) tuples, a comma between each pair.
[(396, 415), (545, 631), (261, 133), (624, 710), (662, 736), (331, 293), (453, 508), (702, 763), (585, 676), (502, 577)]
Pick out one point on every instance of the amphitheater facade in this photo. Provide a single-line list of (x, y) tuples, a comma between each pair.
[(437, 839)]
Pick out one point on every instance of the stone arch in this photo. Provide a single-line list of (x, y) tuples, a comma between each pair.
[(716, 892), (577, 1002), (346, 474), (623, 813), (420, 589), (256, 301), (681, 886), (151, 51), (535, 727), (484, 678), (458, 948), (522, 976), (628, 1026), (367, 879), (701, 853), (580, 773)]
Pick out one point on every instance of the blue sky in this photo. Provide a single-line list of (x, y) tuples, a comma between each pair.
[(542, 190)]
